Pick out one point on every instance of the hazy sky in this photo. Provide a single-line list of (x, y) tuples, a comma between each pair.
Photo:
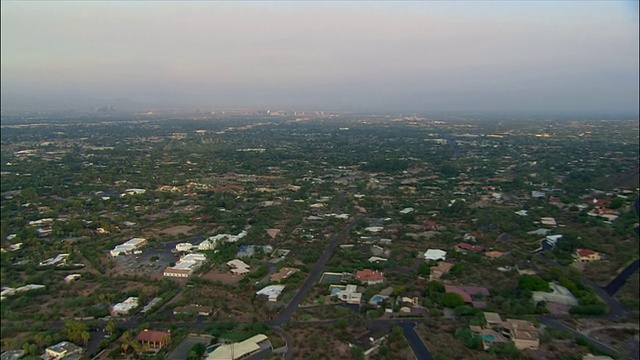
[(411, 56)]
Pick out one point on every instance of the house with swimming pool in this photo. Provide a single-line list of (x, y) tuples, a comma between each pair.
[(346, 293), (522, 333)]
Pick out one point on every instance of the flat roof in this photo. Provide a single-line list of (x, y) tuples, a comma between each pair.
[(492, 317), (237, 350)]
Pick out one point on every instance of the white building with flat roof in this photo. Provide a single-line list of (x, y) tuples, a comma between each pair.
[(124, 307), (183, 247), (558, 295), (207, 245), (271, 291), (435, 255), (58, 260), (548, 221), (227, 237), (128, 247), (61, 350), (185, 266)]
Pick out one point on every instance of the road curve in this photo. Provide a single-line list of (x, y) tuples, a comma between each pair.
[(288, 339), (604, 327), (602, 347), (617, 311), (415, 341)]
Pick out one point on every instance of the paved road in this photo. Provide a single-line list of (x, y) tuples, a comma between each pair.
[(97, 335), (621, 326), (618, 282), (318, 269), (415, 341), (452, 143), (617, 311), (289, 340), (632, 349), (408, 325), (552, 322)]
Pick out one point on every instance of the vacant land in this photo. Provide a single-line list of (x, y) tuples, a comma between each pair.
[(322, 342), (216, 275), (177, 230)]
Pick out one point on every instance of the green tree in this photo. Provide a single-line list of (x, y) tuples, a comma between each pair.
[(616, 203), (452, 300), (533, 283), (357, 353), (85, 337), (197, 352), (111, 327), (74, 331), (468, 339), (341, 324)]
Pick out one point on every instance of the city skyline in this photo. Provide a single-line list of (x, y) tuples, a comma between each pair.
[(374, 56)]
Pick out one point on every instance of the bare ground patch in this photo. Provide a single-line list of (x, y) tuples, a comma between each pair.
[(223, 277), (322, 342), (177, 230)]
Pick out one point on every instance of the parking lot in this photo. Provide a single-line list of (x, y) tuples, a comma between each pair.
[(142, 263)]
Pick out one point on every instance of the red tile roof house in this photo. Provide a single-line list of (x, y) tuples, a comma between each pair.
[(370, 277), (155, 339), (468, 292), (466, 246), (587, 255)]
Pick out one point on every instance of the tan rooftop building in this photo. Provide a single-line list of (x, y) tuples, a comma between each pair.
[(238, 267), (494, 254), (241, 350), (284, 273), (442, 268), (523, 334), (492, 319)]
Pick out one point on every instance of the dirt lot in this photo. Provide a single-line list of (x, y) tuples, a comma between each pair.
[(237, 302), (177, 230), (322, 342), (216, 275)]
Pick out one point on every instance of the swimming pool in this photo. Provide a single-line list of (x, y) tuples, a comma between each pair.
[(377, 299), (489, 338)]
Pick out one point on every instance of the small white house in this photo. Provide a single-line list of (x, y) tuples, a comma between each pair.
[(435, 255)]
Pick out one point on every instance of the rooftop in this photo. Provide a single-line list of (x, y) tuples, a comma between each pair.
[(153, 336), (435, 254), (369, 275), (238, 350), (271, 291), (585, 252), (284, 273)]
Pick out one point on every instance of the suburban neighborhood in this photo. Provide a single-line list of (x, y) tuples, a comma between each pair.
[(318, 236)]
